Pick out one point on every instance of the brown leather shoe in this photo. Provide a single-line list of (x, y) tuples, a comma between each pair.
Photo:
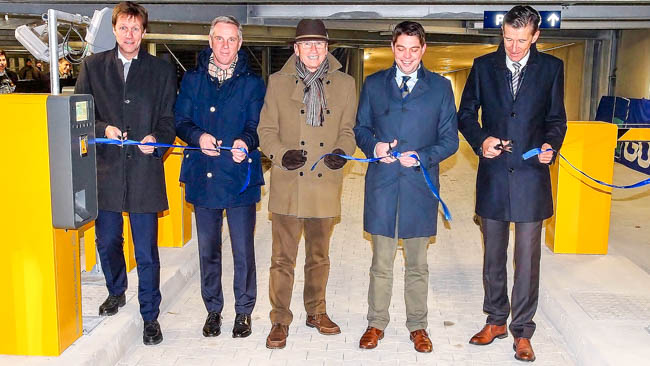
[(523, 350), (370, 338), (421, 341), (277, 336), (323, 324), (488, 333)]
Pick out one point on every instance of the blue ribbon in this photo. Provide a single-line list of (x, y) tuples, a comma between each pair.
[(534, 152), (397, 154), (106, 141)]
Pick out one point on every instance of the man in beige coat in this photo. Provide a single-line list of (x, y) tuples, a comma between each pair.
[(309, 110)]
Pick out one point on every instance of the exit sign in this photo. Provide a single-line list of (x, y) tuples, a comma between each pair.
[(494, 19)]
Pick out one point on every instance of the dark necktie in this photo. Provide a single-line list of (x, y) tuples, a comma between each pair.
[(515, 77), (404, 88)]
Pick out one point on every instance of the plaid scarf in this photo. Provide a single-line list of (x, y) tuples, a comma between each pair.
[(314, 97), (219, 73)]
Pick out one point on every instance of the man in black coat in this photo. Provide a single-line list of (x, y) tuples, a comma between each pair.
[(134, 96), (521, 94)]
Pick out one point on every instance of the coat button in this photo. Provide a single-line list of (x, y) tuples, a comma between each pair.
[(321, 144), (296, 81), (513, 114), (327, 82), (301, 174), (302, 111), (212, 109), (320, 175), (187, 156), (302, 142), (209, 175), (271, 156), (127, 101), (328, 111), (511, 170), (128, 156)]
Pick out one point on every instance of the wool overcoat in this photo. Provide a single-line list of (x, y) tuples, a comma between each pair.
[(228, 111), (509, 188), (303, 192), (127, 179), (424, 122)]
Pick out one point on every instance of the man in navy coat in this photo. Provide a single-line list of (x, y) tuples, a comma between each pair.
[(409, 109), (521, 94), (219, 105)]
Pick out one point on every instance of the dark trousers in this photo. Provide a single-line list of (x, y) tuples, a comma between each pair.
[(241, 223), (144, 226), (525, 290), (286, 232)]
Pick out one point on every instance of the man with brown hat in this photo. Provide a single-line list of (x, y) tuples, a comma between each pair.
[(309, 111)]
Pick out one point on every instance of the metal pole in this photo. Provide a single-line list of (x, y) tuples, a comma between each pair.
[(54, 56)]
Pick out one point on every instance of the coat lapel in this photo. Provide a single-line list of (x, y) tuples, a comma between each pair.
[(391, 85), (502, 75)]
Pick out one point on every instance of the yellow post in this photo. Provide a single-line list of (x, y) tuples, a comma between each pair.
[(582, 207), (175, 224), (40, 311)]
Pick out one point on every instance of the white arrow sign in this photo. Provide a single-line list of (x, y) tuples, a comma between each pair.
[(553, 19)]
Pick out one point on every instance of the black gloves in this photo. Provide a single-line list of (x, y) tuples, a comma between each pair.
[(294, 159), (335, 162)]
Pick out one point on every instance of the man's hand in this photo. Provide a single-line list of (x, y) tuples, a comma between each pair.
[(406, 160), (207, 141), (335, 162), (147, 149), (489, 147), (546, 156), (237, 155), (382, 149), (114, 133), (293, 159)]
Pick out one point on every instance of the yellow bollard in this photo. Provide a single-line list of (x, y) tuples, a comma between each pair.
[(582, 207), (175, 224)]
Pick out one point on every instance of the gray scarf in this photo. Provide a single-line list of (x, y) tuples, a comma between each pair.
[(314, 97)]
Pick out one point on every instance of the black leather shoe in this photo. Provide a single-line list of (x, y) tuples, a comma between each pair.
[(152, 334), (242, 327), (212, 327), (112, 304)]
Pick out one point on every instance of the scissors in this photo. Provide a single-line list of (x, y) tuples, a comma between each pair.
[(504, 147)]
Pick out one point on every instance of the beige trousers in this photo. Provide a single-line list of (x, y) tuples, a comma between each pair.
[(286, 232)]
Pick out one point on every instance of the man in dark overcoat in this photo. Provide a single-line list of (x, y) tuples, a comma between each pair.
[(134, 95), (408, 109), (521, 94), (219, 104)]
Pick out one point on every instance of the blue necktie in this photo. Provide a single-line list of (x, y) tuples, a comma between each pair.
[(404, 88)]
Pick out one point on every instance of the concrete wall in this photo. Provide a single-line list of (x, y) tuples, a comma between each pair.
[(633, 65)]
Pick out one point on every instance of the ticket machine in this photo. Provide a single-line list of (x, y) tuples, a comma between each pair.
[(48, 187)]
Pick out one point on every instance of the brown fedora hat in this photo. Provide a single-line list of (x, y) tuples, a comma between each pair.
[(311, 30)]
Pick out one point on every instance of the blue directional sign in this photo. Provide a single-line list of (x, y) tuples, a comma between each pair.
[(551, 19), (494, 19)]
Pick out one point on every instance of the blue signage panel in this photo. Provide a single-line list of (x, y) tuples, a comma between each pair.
[(494, 19)]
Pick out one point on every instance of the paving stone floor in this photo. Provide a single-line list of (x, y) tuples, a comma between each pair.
[(455, 298)]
